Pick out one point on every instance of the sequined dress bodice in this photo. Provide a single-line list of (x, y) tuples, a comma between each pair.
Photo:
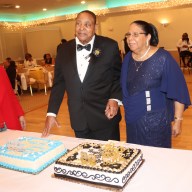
[(148, 75)]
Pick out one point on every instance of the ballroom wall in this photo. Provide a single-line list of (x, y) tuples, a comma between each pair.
[(46, 38), (116, 25), (11, 44)]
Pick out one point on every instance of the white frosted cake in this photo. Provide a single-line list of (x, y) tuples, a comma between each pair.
[(30, 154), (108, 164)]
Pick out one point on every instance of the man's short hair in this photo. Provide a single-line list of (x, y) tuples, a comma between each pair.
[(91, 13)]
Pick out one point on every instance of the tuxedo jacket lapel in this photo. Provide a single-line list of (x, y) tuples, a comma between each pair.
[(92, 60), (73, 57)]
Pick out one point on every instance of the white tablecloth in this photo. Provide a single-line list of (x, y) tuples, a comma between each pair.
[(164, 170), (23, 76)]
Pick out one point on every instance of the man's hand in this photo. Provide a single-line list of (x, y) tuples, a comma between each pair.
[(111, 109), (49, 123)]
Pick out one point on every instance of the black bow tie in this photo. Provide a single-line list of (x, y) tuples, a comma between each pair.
[(80, 47)]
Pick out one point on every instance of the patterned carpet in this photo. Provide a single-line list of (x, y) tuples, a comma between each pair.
[(30, 103)]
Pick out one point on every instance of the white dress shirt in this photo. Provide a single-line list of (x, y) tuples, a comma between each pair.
[(83, 58), (29, 64), (181, 43)]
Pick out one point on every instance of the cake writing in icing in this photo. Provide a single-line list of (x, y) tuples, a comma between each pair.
[(30, 154), (109, 164)]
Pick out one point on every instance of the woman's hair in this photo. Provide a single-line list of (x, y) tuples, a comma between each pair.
[(8, 59), (185, 37), (149, 28), (27, 56)]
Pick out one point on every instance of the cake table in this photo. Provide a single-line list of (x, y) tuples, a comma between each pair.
[(163, 170)]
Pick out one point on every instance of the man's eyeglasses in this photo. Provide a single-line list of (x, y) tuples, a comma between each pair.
[(134, 34)]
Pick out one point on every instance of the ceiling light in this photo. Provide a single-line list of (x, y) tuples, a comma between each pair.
[(17, 6), (83, 2), (164, 22), (44, 9)]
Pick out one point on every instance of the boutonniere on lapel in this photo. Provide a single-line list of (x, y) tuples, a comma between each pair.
[(96, 52)]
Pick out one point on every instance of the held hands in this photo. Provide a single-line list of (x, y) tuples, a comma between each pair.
[(49, 123), (111, 109)]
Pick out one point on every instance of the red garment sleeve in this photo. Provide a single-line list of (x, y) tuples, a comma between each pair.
[(10, 109)]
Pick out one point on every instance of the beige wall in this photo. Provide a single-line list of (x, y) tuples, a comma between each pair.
[(178, 18), (115, 26), (42, 40), (11, 43)]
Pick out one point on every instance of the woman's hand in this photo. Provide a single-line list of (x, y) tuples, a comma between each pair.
[(176, 128), (22, 122)]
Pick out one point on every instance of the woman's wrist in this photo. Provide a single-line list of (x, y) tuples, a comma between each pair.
[(178, 118)]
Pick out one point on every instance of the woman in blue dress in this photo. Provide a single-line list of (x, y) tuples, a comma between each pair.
[(155, 93)]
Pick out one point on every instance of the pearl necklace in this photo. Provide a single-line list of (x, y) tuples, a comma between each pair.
[(140, 64), (144, 53)]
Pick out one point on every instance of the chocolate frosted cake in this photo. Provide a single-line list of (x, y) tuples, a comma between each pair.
[(109, 164)]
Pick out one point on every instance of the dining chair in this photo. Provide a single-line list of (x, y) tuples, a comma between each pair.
[(26, 81), (50, 70), (181, 64), (41, 77), (30, 82), (16, 87)]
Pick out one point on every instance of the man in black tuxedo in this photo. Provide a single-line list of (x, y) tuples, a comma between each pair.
[(88, 69)]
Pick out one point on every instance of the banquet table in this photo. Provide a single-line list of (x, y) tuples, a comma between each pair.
[(164, 170), (26, 71)]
